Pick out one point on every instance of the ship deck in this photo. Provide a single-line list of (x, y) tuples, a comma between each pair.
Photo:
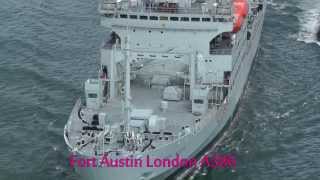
[(177, 115)]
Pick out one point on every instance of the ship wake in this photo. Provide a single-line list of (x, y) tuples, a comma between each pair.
[(222, 141), (310, 27)]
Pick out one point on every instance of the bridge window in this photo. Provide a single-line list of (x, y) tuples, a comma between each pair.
[(174, 19), (133, 17), (206, 19), (165, 18), (92, 95), (109, 15), (123, 16), (144, 17), (153, 17), (195, 19), (184, 19), (198, 101), (221, 20)]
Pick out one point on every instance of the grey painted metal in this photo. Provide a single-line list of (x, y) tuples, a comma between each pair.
[(188, 144)]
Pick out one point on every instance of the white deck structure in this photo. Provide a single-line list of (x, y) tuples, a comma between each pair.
[(170, 78)]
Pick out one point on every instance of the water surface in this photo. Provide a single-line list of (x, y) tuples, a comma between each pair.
[(49, 48)]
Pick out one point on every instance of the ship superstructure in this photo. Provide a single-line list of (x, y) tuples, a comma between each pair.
[(170, 78)]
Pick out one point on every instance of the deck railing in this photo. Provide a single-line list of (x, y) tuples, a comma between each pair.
[(226, 51), (111, 7)]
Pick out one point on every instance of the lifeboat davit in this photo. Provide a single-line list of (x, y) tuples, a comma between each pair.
[(240, 13)]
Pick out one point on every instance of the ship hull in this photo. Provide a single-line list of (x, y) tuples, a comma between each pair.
[(193, 144)]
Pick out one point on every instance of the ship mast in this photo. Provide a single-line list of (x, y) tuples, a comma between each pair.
[(127, 83)]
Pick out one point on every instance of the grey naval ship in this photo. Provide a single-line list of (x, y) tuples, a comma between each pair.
[(170, 78)]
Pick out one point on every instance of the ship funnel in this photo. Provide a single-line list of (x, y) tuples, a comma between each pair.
[(240, 12)]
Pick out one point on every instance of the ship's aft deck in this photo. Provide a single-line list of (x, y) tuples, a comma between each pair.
[(178, 113)]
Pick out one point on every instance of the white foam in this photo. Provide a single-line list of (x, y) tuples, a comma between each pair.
[(272, 3), (309, 24), (279, 6), (59, 168), (287, 114), (55, 148)]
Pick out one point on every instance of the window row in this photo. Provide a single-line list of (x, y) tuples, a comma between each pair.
[(172, 18)]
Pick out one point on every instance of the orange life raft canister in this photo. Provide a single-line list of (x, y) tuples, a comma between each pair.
[(240, 12)]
